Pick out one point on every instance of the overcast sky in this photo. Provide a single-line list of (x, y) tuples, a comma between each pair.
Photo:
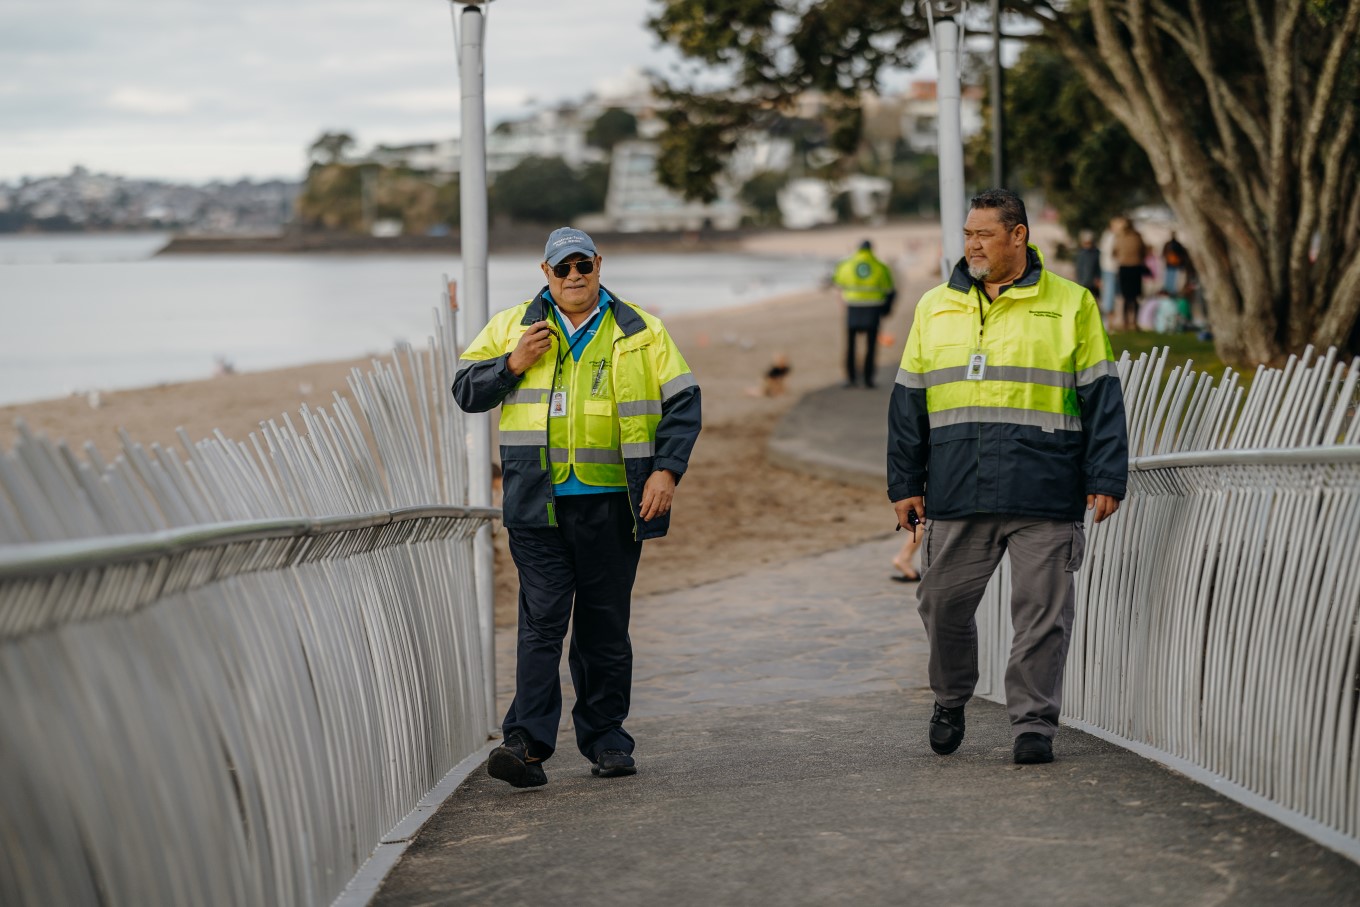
[(196, 90), (193, 90)]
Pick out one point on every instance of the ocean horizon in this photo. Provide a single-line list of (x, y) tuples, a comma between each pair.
[(99, 312)]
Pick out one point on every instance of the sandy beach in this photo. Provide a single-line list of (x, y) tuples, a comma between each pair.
[(732, 511)]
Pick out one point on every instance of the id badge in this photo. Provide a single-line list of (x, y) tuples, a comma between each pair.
[(977, 366), (558, 405)]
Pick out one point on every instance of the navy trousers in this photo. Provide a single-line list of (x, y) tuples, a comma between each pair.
[(581, 571)]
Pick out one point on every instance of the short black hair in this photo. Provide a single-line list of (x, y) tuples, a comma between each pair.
[(1009, 207)]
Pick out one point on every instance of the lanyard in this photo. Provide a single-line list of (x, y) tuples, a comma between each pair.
[(581, 333)]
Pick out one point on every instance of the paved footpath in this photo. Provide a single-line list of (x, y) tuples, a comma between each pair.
[(781, 720)]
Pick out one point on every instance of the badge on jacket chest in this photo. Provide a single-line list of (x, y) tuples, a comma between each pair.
[(557, 406), (977, 366)]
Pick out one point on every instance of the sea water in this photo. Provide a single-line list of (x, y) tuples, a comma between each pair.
[(83, 312)]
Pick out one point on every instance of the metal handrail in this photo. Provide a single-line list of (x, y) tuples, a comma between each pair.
[(1304, 456), (48, 558)]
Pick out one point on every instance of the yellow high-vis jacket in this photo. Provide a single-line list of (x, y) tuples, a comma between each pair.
[(643, 411), (863, 279), (1038, 426)]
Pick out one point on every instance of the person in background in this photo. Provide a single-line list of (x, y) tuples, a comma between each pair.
[(1006, 423), (1088, 263), (599, 414), (1109, 270), (866, 286), (1129, 252), (1175, 259)]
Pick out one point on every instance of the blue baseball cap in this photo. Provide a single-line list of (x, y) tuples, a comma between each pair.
[(566, 241)]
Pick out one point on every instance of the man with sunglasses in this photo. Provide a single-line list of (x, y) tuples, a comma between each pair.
[(599, 413)]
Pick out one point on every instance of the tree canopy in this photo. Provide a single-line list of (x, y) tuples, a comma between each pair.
[(543, 190), (611, 127), (1245, 109), (1060, 138)]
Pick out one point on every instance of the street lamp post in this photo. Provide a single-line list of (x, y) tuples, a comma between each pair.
[(941, 14), (474, 307)]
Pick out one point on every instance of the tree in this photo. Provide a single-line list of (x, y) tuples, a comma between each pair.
[(761, 194), (774, 52), (1060, 137), (540, 190), (610, 128), (1247, 110), (331, 198), (330, 148)]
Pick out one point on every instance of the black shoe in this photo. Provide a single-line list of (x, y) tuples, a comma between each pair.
[(510, 762), (946, 729), (1033, 749), (612, 764)]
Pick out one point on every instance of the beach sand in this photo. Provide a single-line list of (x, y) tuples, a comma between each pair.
[(733, 510)]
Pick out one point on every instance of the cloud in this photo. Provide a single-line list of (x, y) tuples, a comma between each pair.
[(149, 101), (93, 82)]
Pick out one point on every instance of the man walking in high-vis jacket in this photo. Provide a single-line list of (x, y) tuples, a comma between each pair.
[(866, 287), (1007, 422), (599, 413)]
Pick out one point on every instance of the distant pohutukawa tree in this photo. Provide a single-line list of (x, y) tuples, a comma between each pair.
[(330, 148), (1246, 110)]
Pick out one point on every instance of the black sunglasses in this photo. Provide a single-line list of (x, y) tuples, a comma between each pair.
[(583, 267)]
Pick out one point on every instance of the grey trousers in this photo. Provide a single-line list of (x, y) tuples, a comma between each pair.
[(959, 557)]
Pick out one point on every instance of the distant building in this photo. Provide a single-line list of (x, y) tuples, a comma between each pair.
[(637, 202), (921, 116)]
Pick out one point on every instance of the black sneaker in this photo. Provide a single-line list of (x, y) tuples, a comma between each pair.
[(613, 763), (510, 762), (946, 729), (1033, 749)]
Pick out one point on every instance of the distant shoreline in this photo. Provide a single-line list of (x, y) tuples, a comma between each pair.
[(517, 240)]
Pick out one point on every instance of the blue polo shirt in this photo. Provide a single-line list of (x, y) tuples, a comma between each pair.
[(573, 485)]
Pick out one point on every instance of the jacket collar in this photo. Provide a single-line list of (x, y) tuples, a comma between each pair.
[(962, 281), (628, 321)]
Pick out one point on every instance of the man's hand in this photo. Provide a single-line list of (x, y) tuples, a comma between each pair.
[(531, 347), (1104, 504), (908, 506), (657, 494)]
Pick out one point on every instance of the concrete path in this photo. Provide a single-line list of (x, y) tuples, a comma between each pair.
[(780, 719)]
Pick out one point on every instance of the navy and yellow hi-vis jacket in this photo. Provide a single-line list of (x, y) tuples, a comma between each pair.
[(653, 423), (1043, 428)]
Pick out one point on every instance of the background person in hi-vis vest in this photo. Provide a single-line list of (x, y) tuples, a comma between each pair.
[(1006, 424), (866, 287), (599, 413)]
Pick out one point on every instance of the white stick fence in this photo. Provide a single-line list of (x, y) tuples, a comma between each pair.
[(1218, 612), (227, 671)]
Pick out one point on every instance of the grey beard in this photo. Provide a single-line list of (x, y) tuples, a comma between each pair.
[(979, 273)]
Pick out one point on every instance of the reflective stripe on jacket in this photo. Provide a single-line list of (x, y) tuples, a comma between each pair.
[(863, 279), (1043, 428), (655, 395)]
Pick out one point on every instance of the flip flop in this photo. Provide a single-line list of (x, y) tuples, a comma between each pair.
[(901, 578)]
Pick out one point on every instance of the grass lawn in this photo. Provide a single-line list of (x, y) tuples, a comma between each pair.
[(1184, 347)]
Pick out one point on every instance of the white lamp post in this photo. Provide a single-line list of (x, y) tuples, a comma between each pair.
[(473, 305), (945, 31)]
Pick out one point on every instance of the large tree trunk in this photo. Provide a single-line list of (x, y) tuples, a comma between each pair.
[(1258, 161)]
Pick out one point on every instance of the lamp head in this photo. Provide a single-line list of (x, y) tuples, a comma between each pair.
[(942, 9)]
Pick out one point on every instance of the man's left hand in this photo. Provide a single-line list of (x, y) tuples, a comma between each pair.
[(657, 494), (1104, 505)]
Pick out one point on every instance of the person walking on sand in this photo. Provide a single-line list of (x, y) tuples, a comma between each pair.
[(1007, 420), (599, 414), (867, 291), (1131, 253)]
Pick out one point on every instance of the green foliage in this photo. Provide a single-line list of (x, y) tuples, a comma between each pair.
[(915, 184), (773, 51), (595, 178), (1062, 139), (331, 198), (330, 148), (761, 194), (541, 190), (611, 127)]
